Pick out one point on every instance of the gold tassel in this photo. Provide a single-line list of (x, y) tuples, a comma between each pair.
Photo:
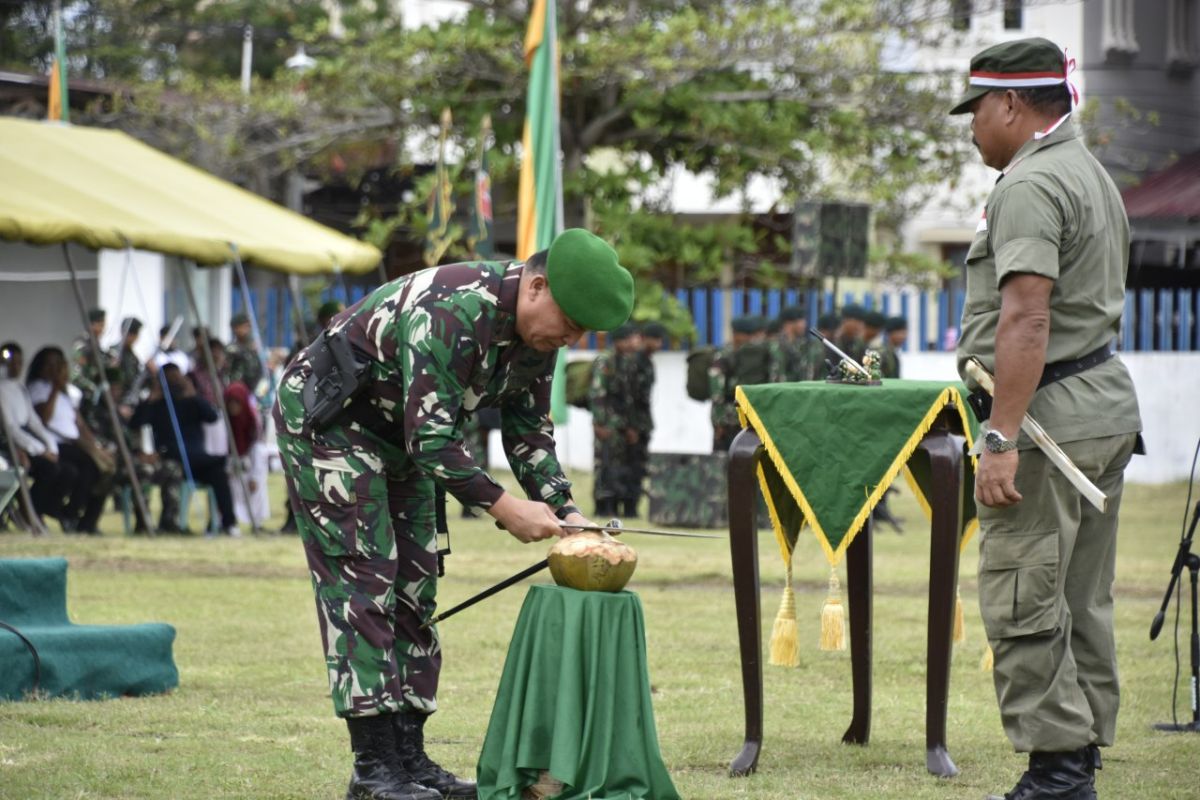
[(988, 660), (785, 647), (833, 617), (960, 632)]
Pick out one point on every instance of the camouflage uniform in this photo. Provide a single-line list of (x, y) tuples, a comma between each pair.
[(166, 474), (130, 367), (794, 359), (688, 490), (243, 364), (642, 387), (889, 361), (440, 342), (732, 367), (617, 477)]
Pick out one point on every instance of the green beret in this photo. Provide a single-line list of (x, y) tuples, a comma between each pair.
[(895, 324), (240, 318), (654, 330), (330, 308), (622, 332), (774, 326), (874, 319), (792, 313), (853, 311), (828, 321), (750, 323), (1023, 64), (587, 282), (96, 315)]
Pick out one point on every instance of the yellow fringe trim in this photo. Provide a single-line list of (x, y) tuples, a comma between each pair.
[(746, 413), (960, 631), (833, 617), (785, 645), (988, 661)]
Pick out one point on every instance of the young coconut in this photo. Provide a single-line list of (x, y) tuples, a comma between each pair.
[(592, 562)]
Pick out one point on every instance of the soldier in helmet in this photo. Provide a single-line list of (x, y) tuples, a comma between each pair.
[(369, 420)]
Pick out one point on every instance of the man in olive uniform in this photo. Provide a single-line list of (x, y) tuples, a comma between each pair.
[(85, 373), (849, 336), (241, 356), (654, 335), (1045, 292), (827, 325), (611, 399), (425, 351), (873, 325), (792, 359), (895, 334), (745, 360)]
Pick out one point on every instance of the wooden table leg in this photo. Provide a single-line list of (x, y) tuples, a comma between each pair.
[(946, 463), (743, 548), (858, 589)]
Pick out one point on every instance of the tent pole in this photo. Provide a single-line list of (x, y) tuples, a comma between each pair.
[(300, 330), (115, 420), (31, 516), (220, 384)]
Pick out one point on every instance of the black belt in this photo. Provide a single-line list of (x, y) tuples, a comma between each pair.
[(1052, 373)]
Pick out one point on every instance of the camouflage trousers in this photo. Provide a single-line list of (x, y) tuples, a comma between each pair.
[(619, 469), (365, 516), (168, 477)]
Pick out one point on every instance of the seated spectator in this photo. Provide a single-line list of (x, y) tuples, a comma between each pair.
[(152, 470), (177, 418), (37, 450), (57, 402), (248, 444), (208, 386)]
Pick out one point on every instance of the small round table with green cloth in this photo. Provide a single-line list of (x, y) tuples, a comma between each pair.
[(574, 699)]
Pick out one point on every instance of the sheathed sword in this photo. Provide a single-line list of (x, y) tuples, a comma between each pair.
[(1090, 491), (545, 562)]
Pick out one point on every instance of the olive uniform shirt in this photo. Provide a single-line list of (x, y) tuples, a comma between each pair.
[(1055, 212)]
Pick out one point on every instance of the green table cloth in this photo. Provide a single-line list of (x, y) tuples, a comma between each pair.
[(574, 699), (834, 449)]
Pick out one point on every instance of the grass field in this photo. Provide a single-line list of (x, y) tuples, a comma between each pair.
[(251, 717)]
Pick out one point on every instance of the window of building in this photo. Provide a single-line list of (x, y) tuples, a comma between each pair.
[(960, 14), (1014, 15)]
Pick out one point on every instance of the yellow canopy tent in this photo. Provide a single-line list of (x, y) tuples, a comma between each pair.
[(104, 189)]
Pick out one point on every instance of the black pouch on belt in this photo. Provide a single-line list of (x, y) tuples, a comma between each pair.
[(337, 378), (981, 403)]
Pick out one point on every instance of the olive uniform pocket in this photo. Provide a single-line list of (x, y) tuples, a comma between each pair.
[(327, 490), (1018, 583)]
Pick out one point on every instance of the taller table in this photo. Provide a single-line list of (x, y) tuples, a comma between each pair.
[(824, 455)]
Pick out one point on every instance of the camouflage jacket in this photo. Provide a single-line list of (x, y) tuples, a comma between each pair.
[(611, 397), (243, 364), (84, 373), (890, 357), (795, 360), (722, 383), (642, 385), (441, 343), (130, 367)]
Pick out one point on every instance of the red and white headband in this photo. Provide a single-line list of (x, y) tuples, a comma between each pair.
[(1025, 80)]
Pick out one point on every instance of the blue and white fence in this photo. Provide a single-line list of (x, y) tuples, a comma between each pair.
[(1155, 320)]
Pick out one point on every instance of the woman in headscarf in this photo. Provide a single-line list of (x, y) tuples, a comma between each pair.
[(248, 446)]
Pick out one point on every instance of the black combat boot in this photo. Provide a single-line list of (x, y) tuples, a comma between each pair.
[(410, 744), (1055, 776), (630, 507), (378, 773)]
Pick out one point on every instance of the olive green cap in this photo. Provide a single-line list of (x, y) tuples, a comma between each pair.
[(1023, 64), (792, 313), (654, 330), (895, 324), (751, 323), (874, 319), (854, 311), (587, 282)]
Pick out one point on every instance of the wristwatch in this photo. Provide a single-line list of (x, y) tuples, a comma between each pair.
[(994, 442)]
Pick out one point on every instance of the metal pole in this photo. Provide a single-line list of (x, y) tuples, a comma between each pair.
[(220, 384), (247, 56), (98, 359)]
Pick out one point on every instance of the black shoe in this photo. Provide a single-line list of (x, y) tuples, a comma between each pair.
[(630, 508), (410, 744), (378, 773), (1056, 776)]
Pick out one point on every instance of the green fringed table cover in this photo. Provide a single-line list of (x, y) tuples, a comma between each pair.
[(834, 449), (574, 699)]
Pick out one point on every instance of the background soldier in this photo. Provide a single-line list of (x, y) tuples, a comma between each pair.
[(827, 325), (241, 356), (895, 334), (793, 356), (745, 360), (654, 335), (873, 324), (617, 483), (1045, 292), (850, 332), (85, 373), (361, 469), (129, 366)]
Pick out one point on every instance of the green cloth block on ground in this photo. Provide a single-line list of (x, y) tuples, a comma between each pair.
[(574, 699), (86, 662)]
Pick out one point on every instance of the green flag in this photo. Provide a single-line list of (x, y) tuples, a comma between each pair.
[(441, 203), (539, 199)]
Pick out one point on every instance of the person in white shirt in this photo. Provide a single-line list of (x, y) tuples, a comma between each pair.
[(57, 403)]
